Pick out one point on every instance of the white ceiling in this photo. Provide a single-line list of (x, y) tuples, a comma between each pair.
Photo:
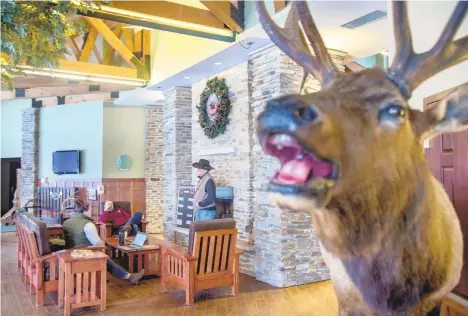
[(330, 15)]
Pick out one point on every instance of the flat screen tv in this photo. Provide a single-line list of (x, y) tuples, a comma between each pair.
[(66, 162)]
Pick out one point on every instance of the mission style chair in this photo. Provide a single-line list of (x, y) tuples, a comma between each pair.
[(36, 261), (211, 260), (105, 229)]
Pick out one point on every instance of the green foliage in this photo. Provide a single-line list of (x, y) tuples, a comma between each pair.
[(218, 125), (35, 32)]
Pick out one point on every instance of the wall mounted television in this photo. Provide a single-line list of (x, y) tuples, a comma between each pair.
[(66, 162)]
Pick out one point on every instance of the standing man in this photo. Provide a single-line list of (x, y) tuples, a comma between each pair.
[(205, 194)]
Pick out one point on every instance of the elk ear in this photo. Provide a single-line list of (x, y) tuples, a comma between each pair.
[(446, 116)]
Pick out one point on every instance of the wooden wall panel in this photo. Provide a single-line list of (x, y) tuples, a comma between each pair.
[(120, 189), (133, 190), (83, 185)]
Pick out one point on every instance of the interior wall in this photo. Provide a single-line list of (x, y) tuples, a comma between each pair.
[(69, 127), (427, 20), (228, 153), (11, 124), (123, 133)]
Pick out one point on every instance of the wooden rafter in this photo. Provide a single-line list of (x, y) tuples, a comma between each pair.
[(72, 44), (117, 44), (88, 45), (222, 10), (128, 37), (109, 56)]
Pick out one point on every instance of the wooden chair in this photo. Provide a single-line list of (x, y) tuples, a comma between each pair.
[(105, 229), (37, 266), (212, 259)]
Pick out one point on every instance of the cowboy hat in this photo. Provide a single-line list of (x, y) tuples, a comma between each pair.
[(202, 164)]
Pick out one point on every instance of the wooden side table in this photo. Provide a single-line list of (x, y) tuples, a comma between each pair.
[(82, 281)]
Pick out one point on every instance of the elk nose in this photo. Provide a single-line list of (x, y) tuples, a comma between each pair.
[(286, 114)]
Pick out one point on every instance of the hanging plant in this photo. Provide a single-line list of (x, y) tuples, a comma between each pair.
[(214, 107), (35, 33)]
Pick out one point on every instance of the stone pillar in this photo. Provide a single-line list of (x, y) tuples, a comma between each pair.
[(29, 154), (177, 154), (154, 176), (287, 251)]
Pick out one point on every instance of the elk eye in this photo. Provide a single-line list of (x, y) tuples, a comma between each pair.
[(392, 112)]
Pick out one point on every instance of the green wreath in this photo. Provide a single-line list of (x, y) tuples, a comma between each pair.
[(217, 126)]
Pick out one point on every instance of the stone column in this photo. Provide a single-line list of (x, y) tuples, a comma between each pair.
[(29, 154), (177, 153), (287, 250), (154, 177)]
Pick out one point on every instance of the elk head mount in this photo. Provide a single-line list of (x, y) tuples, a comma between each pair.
[(352, 157)]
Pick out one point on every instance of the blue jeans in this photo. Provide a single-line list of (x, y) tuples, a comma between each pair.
[(205, 214), (115, 269), (134, 221)]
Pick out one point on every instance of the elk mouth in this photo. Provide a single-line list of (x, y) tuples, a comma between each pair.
[(302, 171)]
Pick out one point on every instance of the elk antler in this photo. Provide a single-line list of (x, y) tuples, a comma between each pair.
[(321, 66), (409, 70)]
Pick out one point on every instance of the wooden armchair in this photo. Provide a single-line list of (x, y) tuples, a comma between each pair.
[(41, 271), (105, 229), (212, 259)]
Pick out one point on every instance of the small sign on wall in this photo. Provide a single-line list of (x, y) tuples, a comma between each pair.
[(92, 194), (185, 206)]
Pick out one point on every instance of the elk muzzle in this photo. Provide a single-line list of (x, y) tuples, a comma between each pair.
[(303, 173)]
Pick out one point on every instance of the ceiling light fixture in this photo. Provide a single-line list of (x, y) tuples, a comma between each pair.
[(186, 77), (218, 63), (84, 77)]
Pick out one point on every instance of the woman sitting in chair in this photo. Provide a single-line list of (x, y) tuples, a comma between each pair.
[(121, 219)]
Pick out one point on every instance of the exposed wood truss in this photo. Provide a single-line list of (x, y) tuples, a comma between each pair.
[(222, 10)]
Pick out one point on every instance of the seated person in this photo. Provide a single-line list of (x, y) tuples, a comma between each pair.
[(80, 231), (120, 219)]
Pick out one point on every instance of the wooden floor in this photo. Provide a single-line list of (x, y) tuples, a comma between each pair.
[(145, 299)]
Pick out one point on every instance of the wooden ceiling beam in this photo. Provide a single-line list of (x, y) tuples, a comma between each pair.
[(71, 99), (95, 69), (128, 37), (117, 44), (72, 89), (222, 10), (88, 45), (74, 47), (109, 56), (171, 10)]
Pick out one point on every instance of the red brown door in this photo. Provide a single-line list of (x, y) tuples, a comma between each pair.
[(448, 160)]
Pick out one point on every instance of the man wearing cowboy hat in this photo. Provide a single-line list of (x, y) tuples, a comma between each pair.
[(205, 194)]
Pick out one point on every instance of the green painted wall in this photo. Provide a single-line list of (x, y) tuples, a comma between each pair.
[(124, 133), (68, 127), (11, 126)]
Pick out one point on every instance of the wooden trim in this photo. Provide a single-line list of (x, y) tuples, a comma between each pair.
[(42, 92), (222, 10), (88, 45), (71, 99)]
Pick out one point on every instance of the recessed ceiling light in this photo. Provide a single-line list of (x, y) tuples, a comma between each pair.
[(186, 77), (218, 63)]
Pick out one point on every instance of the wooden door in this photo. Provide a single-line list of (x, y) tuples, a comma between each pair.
[(448, 160)]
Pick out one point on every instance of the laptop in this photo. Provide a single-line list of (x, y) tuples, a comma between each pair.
[(137, 242)]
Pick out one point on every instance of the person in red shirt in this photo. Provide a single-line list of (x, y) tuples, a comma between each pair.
[(120, 218)]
